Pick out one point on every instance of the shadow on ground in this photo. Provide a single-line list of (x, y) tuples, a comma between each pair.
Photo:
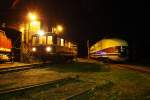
[(81, 67)]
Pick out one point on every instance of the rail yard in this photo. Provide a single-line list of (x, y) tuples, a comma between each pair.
[(85, 79), (74, 50)]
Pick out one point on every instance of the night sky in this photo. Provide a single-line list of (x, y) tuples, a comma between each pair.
[(89, 20)]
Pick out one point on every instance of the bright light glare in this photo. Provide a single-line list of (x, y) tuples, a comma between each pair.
[(41, 32), (48, 49), (35, 23), (33, 49), (32, 16), (59, 28)]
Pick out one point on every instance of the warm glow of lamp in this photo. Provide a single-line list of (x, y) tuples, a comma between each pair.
[(32, 16), (59, 28), (35, 23)]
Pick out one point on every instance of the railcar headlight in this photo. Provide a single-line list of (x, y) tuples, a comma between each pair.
[(48, 49), (33, 49)]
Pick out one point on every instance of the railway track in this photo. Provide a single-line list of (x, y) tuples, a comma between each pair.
[(54, 83), (134, 68), (21, 68), (87, 92), (141, 69)]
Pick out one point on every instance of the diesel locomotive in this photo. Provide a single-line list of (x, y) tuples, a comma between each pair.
[(5, 47)]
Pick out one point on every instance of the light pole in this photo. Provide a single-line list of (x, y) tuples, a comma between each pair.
[(32, 17), (58, 29), (26, 35), (22, 29), (88, 47)]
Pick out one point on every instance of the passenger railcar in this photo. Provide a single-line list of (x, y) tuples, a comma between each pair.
[(5, 47), (112, 49), (53, 47)]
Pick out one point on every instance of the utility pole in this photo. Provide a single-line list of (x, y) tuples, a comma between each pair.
[(88, 49), (22, 46)]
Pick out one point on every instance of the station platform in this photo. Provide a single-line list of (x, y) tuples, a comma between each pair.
[(15, 64)]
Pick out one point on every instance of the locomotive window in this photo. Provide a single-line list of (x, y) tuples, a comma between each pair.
[(49, 40), (61, 42)]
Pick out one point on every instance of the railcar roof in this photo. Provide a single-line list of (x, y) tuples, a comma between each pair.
[(111, 42)]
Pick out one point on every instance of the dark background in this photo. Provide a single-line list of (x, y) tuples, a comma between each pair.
[(89, 20)]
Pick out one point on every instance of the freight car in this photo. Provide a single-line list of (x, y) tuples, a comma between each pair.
[(53, 47), (5, 47), (110, 49)]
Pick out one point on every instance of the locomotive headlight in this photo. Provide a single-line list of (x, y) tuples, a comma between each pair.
[(48, 49), (33, 49)]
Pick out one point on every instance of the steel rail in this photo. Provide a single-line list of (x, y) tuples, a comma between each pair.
[(17, 89), (21, 68), (135, 68)]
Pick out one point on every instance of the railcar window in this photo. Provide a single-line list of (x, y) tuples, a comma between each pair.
[(121, 48), (116, 49), (49, 40), (69, 45), (43, 39), (34, 40), (40, 40), (58, 41), (66, 43), (61, 42)]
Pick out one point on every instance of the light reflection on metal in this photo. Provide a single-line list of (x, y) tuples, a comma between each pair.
[(101, 53)]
